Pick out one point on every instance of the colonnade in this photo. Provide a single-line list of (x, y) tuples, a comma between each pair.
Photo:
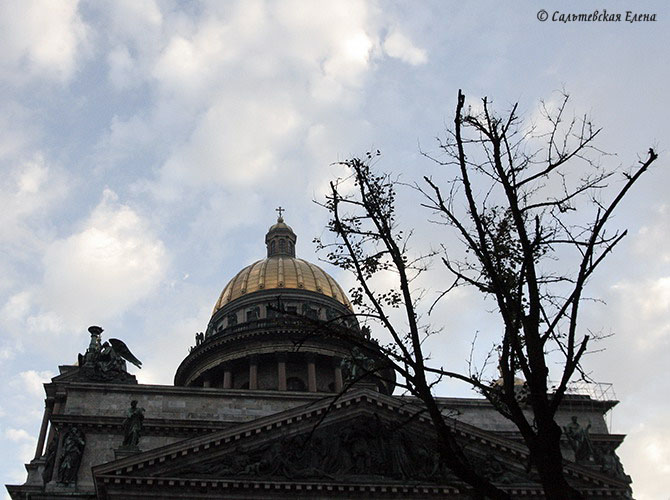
[(280, 360)]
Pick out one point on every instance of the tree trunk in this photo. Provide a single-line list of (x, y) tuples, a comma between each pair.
[(547, 457), (454, 457)]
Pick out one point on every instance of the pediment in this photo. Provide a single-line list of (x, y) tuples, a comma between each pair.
[(361, 440)]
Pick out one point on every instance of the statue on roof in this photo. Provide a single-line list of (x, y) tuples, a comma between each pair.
[(106, 362), (132, 425), (357, 366), (579, 440), (116, 353)]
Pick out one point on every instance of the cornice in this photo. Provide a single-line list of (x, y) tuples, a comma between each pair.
[(151, 426), (147, 389)]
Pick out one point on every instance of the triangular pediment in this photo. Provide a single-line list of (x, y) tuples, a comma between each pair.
[(361, 440)]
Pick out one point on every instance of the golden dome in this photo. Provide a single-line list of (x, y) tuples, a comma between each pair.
[(281, 272), (281, 269)]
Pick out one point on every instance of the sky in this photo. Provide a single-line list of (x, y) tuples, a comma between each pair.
[(145, 146)]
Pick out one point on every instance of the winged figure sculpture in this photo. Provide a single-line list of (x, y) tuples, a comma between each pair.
[(122, 350)]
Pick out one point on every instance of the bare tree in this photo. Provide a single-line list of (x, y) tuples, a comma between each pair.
[(510, 195)]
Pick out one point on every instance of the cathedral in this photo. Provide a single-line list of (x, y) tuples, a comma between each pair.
[(267, 405)]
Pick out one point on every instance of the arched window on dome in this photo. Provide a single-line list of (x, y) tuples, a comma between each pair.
[(232, 320), (295, 384), (253, 314), (273, 247), (271, 310), (282, 246), (310, 312), (290, 248)]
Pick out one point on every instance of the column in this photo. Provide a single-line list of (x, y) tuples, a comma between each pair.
[(56, 409), (227, 379), (48, 405), (253, 372), (311, 373), (339, 383), (59, 448), (281, 371)]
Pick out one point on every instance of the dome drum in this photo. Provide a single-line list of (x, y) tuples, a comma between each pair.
[(238, 345), (262, 305), (294, 367)]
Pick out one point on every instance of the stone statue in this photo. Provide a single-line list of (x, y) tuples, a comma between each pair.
[(579, 440), (132, 425), (117, 352), (70, 458), (495, 470), (357, 366), (107, 362), (199, 338), (611, 465), (347, 367)]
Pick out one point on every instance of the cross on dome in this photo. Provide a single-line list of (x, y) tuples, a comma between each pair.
[(280, 210)]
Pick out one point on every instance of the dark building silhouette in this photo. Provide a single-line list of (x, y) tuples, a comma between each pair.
[(257, 410)]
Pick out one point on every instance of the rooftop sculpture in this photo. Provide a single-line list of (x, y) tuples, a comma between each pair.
[(106, 362)]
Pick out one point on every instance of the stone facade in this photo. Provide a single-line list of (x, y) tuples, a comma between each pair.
[(264, 406)]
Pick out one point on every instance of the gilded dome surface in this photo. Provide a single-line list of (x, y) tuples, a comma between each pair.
[(281, 272)]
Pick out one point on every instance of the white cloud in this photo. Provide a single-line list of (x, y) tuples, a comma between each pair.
[(31, 381), (331, 44), (110, 264), (653, 239), (121, 67), (25, 191), (643, 308), (17, 307), (646, 457), (245, 80), (133, 29), (164, 357), (536, 120), (400, 47), (188, 64), (350, 58), (23, 445), (40, 38), (25, 195), (132, 21), (15, 136), (18, 435), (237, 142)]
